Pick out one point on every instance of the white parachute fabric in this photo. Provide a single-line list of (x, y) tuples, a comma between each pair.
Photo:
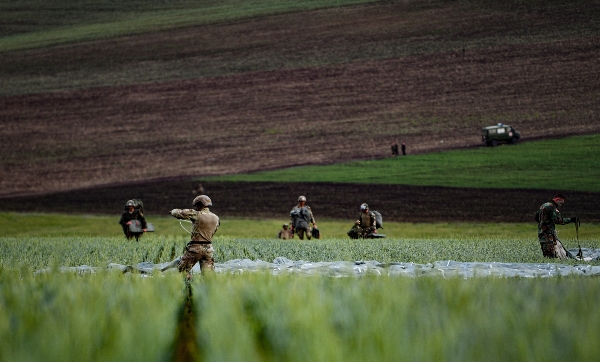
[(444, 269)]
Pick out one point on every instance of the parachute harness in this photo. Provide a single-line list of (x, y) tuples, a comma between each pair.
[(188, 231)]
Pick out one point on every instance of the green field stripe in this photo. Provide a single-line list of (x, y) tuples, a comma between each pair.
[(564, 164), (129, 23)]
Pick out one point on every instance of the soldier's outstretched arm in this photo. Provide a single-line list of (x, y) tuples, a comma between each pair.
[(186, 214)]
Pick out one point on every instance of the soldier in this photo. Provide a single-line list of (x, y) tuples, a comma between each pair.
[(199, 249), (547, 217), (302, 217), (285, 233), (394, 149), (130, 214), (366, 223)]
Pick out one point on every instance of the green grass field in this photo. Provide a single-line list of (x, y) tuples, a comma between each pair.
[(108, 317), (570, 163), (104, 316), (59, 225)]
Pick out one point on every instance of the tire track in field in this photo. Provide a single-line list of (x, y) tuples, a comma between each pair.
[(185, 346)]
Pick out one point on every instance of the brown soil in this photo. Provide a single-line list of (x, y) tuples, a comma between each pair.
[(328, 200), (308, 115)]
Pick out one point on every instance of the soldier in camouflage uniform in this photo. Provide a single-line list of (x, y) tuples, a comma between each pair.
[(285, 233), (548, 216), (132, 214), (302, 218), (199, 249), (366, 223)]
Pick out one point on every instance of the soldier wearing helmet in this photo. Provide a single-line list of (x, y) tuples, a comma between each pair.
[(302, 218), (130, 214), (285, 233), (366, 225), (199, 249)]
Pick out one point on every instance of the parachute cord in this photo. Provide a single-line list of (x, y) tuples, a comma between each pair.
[(188, 231)]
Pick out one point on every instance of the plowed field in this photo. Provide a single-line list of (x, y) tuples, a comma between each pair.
[(293, 89), (327, 200)]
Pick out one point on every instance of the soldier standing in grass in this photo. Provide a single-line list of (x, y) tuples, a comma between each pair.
[(132, 214), (394, 149), (302, 218), (285, 233), (199, 249), (547, 217)]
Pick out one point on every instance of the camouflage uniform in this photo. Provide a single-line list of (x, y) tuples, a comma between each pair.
[(365, 225), (129, 216), (284, 233), (199, 249), (549, 217), (302, 217)]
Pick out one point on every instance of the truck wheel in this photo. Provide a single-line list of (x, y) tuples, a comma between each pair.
[(493, 143), (514, 140)]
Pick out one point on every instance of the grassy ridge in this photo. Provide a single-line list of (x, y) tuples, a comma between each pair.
[(565, 164), (60, 225), (35, 24)]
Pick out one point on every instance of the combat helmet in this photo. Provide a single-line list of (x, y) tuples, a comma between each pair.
[(129, 203), (302, 198), (364, 207), (203, 199)]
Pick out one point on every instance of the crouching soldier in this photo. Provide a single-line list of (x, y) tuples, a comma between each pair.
[(302, 218), (128, 217), (547, 217), (366, 225)]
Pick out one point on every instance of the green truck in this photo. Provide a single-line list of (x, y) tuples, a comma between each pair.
[(493, 135)]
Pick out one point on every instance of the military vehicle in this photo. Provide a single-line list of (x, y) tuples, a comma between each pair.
[(500, 133)]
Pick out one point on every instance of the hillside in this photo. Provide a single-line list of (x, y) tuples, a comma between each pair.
[(303, 87)]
